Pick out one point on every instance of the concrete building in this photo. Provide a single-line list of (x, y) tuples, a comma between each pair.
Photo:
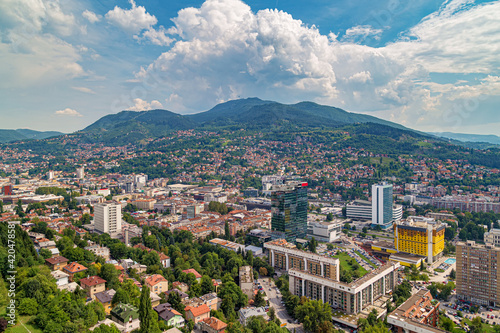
[(478, 273), (382, 205), (127, 316), (194, 210), (289, 209), (359, 209), (325, 231), (420, 313), (492, 237), (80, 173), (246, 313), (108, 218), (98, 250), (93, 285), (422, 236), (246, 281), (351, 298), (227, 244), (285, 256)]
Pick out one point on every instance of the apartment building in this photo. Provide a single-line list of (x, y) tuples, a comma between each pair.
[(246, 281), (108, 218), (285, 256), (351, 298), (492, 237), (478, 273), (420, 313)]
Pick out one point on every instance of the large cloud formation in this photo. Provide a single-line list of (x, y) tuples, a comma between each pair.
[(225, 51)]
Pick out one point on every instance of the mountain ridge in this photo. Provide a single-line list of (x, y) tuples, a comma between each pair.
[(10, 135)]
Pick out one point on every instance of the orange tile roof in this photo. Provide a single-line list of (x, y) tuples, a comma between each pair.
[(215, 323), (154, 279), (192, 270), (199, 310), (74, 267), (92, 281)]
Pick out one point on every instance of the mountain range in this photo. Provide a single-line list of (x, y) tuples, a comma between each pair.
[(8, 135), (250, 113), (492, 139)]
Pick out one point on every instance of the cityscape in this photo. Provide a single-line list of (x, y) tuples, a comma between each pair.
[(227, 166)]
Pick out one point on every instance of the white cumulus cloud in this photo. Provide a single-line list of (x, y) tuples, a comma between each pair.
[(68, 112), (132, 20), (91, 16), (142, 105)]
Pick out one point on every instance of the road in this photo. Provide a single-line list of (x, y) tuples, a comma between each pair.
[(275, 302)]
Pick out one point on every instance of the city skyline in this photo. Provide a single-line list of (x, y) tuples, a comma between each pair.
[(430, 66)]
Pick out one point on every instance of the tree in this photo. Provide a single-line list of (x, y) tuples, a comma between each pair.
[(28, 307), (272, 314), (46, 254), (312, 314), (227, 232), (476, 325), (329, 217), (259, 300), (313, 243), (3, 324), (148, 317), (207, 285), (453, 275), (121, 296)]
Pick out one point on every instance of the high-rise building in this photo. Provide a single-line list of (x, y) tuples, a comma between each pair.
[(382, 205), (478, 273), (108, 218), (289, 209), (422, 236), (80, 173)]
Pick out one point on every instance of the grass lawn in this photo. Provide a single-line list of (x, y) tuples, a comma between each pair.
[(344, 262), (366, 259), (20, 328), (486, 328), (3, 297), (385, 160)]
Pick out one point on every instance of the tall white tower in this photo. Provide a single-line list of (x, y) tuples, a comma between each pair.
[(108, 217), (80, 173), (382, 201)]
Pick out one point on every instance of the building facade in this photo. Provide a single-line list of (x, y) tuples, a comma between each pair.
[(492, 237), (285, 256), (382, 205), (108, 218), (422, 236), (351, 298), (478, 273), (246, 281), (420, 313), (325, 231), (289, 209)]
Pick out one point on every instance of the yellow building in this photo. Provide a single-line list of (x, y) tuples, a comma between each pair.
[(422, 236)]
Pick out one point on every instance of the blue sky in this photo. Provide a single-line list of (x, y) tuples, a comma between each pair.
[(430, 65)]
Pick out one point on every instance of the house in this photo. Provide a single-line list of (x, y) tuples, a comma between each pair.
[(157, 283), (165, 260), (198, 313), (183, 295), (93, 285), (108, 322), (246, 313), (212, 325), (98, 250), (155, 299), (196, 274), (127, 316), (127, 263), (171, 316), (61, 278), (139, 268), (181, 286), (56, 263), (73, 268), (55, 252), (105, 298), (212, 301)]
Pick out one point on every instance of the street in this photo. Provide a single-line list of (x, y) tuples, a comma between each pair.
[(275, 302)]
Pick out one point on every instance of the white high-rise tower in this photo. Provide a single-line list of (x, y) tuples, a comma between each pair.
[(108, 217)]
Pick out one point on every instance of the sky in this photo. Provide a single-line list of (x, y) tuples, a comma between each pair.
[(429, 65)]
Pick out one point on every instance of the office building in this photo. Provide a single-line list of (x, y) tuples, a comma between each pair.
[(108, 218), (420, 313), (422, 236), (382, 205), (492, 237), (359, 209), (325, 231), (289, 209), (80, 173), (478, 273)]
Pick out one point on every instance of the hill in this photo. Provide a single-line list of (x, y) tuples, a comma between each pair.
[(251, 114), (479, 138), (7, 135)]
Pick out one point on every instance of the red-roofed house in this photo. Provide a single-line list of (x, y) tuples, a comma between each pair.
[(157, 283), (198, 313), (73, 268), (93, 285), (56, 263), (196, 274), (165, 260), (213, 325)]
